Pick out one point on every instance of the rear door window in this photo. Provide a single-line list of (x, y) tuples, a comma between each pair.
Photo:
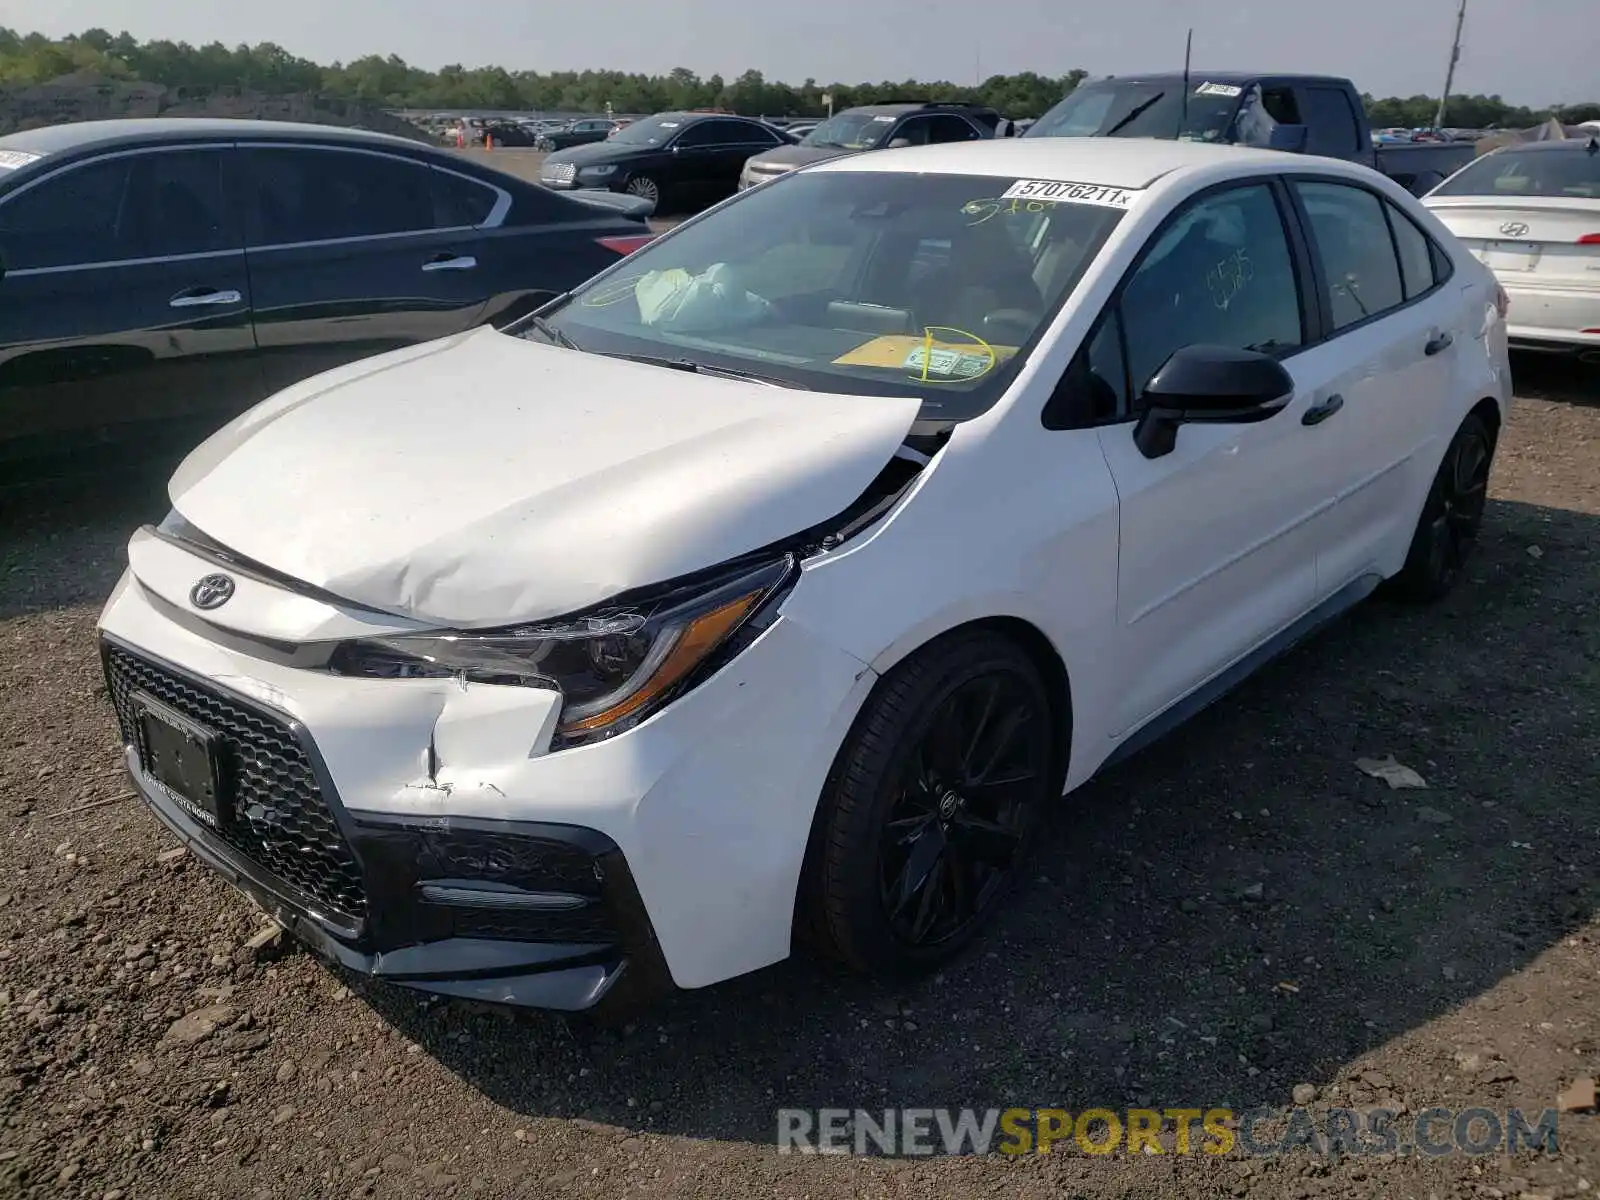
[(1358, 256), (459, 201), (1416, 253), (949, 128), (314, 195), (1331, 122)]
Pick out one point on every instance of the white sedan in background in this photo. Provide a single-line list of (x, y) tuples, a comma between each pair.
[(776, 581), (1531, 213)]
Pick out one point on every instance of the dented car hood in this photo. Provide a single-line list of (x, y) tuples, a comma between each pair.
[(486, 480)]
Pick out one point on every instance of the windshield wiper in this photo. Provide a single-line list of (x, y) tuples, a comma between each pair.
[(700, 368), (1138, 110), (554, 334)]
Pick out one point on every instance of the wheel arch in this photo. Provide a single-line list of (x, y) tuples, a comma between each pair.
[(1487, 410), (1023, 633)]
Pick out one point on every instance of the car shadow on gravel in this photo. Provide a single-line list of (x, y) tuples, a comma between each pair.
[(1234, 911), (1561, 378)]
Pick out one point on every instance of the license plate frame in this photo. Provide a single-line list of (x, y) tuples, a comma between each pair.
[(1510, 256), (181, 756)]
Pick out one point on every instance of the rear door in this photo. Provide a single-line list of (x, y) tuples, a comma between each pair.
[(125, 304), (1333, 129), (350, 255), (710, 154), (1396, 325)]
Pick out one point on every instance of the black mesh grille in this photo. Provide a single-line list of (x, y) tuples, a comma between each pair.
[(590, 924), (275, 812)]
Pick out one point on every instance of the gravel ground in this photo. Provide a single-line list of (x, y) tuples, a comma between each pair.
[(1440, 947)]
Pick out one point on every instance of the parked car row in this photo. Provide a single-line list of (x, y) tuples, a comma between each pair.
[(159, 276)]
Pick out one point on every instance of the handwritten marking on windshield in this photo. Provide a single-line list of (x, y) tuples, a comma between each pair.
[(989, 207)]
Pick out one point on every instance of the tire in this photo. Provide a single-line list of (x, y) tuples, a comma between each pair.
[(907, 801), (1451, 516), (646, 188)]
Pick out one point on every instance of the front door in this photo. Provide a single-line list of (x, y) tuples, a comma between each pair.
[(125, 305), (1219, 538), (349, 257)]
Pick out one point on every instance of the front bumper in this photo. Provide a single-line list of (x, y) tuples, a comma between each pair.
[(510, 912), (697, 819)]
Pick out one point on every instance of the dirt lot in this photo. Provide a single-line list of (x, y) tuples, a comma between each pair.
[(1441, 947)]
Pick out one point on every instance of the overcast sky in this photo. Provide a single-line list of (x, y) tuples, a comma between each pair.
[(1530, 51)]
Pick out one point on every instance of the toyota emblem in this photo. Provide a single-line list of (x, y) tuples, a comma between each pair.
[(1514, 229), (213, 591)]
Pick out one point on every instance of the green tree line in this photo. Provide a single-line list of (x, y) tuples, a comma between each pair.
[(391, 82)]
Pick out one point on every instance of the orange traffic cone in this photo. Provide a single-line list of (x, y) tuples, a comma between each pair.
[(488, 140)]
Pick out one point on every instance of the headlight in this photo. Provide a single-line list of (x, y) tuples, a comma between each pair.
[(613, 666), (598, 172)]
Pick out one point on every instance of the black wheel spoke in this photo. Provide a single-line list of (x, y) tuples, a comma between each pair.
[(1005, 736), (980, 838), (924, 856), (929, 900), (981, 725)]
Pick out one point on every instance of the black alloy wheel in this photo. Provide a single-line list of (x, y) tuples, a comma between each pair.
[(928, 816), (1451, 516)]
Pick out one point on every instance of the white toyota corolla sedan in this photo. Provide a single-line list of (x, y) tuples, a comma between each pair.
[(773, 583)]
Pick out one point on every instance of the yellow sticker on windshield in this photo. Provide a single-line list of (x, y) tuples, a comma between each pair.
[(930, 359)]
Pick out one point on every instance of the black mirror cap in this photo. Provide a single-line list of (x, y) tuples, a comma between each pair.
[(1213, 385), (1218, 384)]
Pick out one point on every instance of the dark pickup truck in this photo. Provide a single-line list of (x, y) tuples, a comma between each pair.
[(1304, 114)]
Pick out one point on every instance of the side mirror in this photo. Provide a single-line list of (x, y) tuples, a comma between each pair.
[(1210, 385), (1287, 137), (898, 143)]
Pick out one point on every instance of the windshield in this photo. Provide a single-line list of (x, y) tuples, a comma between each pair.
[(1113, 108), (872, 283), (652, 131), (851, 131), (1574, 172)]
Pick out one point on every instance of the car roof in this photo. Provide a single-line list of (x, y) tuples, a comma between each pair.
[(83, 135), (1115, 162), (1197, 77)]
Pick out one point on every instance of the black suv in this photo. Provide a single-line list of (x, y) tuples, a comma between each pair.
[(878, 127)]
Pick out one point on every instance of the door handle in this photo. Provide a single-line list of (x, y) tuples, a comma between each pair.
[(1438, 344), (1318, 413), (451, 262), (198, 298)]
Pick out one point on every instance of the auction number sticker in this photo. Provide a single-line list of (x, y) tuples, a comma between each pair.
[(1062, 191), (10, 160), (1219, 89)]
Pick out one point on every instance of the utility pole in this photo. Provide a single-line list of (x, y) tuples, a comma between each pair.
[(1450, 74)]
